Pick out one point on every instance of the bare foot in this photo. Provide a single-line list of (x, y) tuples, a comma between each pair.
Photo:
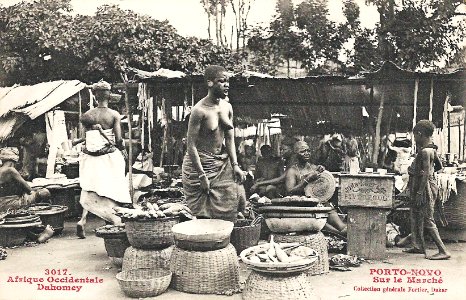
[(80, 231), (413, 250), (46, 234), (439, 256)]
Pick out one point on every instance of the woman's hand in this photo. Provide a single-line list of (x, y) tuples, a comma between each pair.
[(320, 168), (312, 176), (96, 127), (205, 184), (239, 174)]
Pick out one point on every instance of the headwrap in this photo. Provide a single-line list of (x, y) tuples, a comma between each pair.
[(101, 86), (9, 153), (337, 137), (300, 146)]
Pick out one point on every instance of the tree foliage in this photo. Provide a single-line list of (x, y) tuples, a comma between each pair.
[(42, 41), (412, 33)]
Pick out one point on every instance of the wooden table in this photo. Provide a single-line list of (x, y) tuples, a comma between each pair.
[(368, 198)]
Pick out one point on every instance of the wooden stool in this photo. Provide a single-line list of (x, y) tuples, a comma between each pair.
[(205, 272), (315, 241), (262, 286)]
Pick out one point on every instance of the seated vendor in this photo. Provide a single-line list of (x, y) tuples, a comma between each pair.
[(268, 167), (300, 174), (275, 187), (15, 192)]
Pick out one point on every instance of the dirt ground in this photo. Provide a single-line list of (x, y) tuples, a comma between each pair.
[(88, 257)]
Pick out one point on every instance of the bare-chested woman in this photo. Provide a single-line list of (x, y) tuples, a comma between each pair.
[(210, 166)]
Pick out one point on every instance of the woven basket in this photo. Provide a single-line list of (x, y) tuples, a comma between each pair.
[(151, 233), (117, 261), (314, 241), (244, 235), (116, 247), (210, 272), (271, 287), (144, 283), (146, 259)]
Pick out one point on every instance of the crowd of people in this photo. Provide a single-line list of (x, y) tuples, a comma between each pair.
[(216, 180)]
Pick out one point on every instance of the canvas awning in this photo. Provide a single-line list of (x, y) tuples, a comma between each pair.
[(21, 103)]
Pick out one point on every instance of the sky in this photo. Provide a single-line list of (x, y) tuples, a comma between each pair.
[(189, 18)]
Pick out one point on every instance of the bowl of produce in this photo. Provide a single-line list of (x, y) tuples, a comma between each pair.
[(149, 226), (279, 257), (203, 234)]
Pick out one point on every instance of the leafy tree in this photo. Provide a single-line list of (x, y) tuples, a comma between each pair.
[(418, 33), (42, 41)]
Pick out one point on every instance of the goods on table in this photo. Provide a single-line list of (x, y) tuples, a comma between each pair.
[(203, 234), (142, 283), (279, 257)]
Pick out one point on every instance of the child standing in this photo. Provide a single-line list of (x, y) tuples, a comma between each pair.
[(424, 192)]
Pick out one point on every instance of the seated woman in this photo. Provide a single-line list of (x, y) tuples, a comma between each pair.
[(15, 192), (275, 187), (300, 174), (268, 167)]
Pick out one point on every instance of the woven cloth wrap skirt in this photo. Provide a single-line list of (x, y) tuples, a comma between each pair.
[(225, 195)]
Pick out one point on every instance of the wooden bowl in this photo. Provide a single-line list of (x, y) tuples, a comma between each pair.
[(285, 225)]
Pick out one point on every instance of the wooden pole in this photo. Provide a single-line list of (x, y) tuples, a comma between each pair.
[(431, 98), (416, 88), (375, 154), (130, 137)]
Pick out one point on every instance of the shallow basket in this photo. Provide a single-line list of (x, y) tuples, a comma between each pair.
[(314, 241), (209, 272), (260, 286), (142, 283), (245, 235), (146, 259), (151, 233)]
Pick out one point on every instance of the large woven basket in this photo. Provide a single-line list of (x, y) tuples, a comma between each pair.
[(146, 259), (245, 235), (151, 233), (142, 283), (208, 272), (314, 241), (261, 286)]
